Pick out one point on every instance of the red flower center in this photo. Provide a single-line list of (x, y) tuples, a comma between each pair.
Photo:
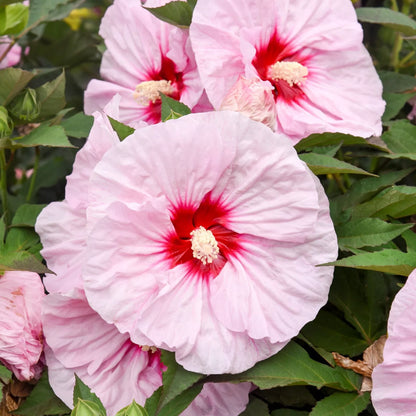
[(166, 80), (285, 68), (201, 239)]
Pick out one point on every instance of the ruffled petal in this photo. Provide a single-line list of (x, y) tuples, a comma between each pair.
[(219, 399), (21, 339), (394, 380), (117, 370), (182, 170)]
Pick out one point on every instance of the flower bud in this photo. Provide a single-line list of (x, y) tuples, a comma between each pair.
[(87, 408), (6, 123), (133, 410), (252, 98), (25, 107)]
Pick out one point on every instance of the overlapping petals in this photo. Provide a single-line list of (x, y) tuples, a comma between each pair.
[(80, 342), (309, 52), (21, 338), (394, 380), (142, 49), (266, 212)]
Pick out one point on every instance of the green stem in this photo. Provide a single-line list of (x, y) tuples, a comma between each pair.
[(3, 185), (394, 5), (33, 177), (395, 55)]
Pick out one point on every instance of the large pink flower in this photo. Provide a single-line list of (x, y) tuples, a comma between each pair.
[(394, 380), (78, 339), (144, 56), (13, 56), (203, 237), (309, 51), (21, 339)]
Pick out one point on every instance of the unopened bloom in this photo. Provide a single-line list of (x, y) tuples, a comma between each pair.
[(394, 380), (203, 236), (144, 57), (253, 98), (310, 53), (13, 55), (21, 339)]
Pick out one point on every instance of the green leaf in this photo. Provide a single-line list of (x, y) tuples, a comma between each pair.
[(44, 135), (83, 392), (400, 137), (333, 334), (42, 401), (172, 109), (394, 82), (2, 231), (322, 164), (394, 202), (50, 10), (386, 261), (293, 366), (133, 410), (13, 19), (178, 390), (289, 412), (78, 125), (51, 96), (368, 232), (121, 129), (12, 81), (387, 17), (328, 139), (364, 299), (27, 214), (10, 259), (394, 103), (341, 404), (5, 374), (365, 188), (178, 13), (410, 238), (256, 407)]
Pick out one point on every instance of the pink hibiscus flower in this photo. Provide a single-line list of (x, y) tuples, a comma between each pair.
[(203, 235), (21, 339), (309, 52), (13, 56), (78, 339), (144, 56), (394, 380)]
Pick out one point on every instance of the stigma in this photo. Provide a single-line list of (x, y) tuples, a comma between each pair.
[(204, 245), (149, 91), (293, 73)]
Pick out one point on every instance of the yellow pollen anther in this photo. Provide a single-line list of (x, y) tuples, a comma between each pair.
[(204, 245), (150, 91), (146, 348), (291, 72)]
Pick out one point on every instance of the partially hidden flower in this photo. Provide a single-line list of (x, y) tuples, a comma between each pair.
[(394, 380), (144, 57), (13, 55), (253, 98), (310, 53), (202, 235), (78, 340), (21, 338)]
